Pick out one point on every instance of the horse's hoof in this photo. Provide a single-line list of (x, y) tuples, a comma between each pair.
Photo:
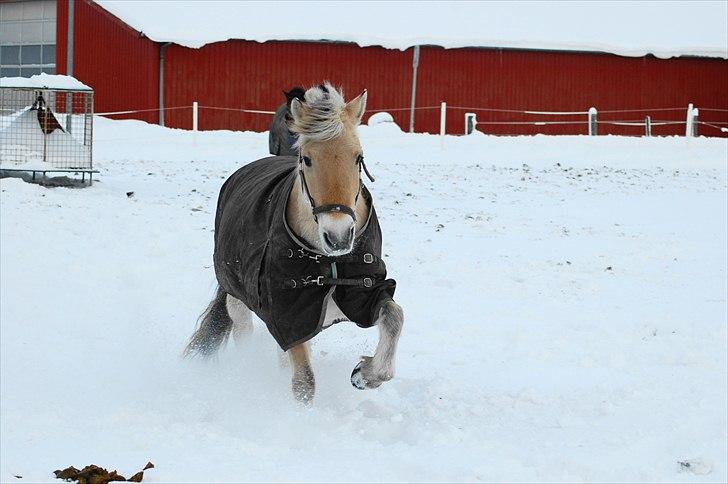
[(357, 379)]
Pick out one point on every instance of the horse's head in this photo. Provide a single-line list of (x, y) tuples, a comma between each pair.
[(330, 161)]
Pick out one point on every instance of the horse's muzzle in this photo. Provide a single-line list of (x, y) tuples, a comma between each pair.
[(337, 234)]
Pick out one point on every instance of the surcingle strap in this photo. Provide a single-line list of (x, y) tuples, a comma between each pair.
[(327, 281)]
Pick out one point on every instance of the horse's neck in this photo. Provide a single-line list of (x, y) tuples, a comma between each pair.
[(300, 219)]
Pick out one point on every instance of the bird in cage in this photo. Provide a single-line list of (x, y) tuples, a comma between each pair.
[(46, 119)]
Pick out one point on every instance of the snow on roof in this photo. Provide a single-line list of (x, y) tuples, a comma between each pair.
[(45, 81), (663, 28)]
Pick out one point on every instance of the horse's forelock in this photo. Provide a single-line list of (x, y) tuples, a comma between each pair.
[(320, 119)]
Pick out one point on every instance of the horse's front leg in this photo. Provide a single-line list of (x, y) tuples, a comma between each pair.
[(372, 371), (302, 381)]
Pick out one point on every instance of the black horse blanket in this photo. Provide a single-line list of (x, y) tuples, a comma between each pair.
[(280, 138), (260, 261)]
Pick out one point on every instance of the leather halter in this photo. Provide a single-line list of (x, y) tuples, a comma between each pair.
[(331, 207)]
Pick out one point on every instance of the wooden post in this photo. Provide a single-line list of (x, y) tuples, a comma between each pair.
[(689, 121), (443, 117), (470, 122), (194, 116), (592, 120)]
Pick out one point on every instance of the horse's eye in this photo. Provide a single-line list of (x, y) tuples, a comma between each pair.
[(307, 160)]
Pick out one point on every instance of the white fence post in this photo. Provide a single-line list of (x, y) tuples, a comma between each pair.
[(470, 122), (648, 126), (443, 117), (592, 121), (696, 113), (689, 121), (194, 116)]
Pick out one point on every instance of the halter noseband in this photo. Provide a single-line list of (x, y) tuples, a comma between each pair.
[(331, 207)]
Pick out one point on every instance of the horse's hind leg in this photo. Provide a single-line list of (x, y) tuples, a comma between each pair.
[(213, 330), (242, 318), (373, 371), (303, 382)]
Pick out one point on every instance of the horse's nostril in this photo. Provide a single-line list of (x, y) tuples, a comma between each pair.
[(336, 242), (328, 240)]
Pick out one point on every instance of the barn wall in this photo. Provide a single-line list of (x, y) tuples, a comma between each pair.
[(242, 74), (119, 63), (252, 75), (561, 81), (122, 66)]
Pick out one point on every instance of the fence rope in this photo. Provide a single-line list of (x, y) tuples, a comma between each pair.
[(400, 109), (462, 108), (640, 110), (496, 110), (142, 110), (640, 123), (719, 128), (242, 110), (633, 123), (537, 123)]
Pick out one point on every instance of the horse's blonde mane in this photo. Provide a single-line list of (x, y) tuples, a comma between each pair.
[(320, 118)]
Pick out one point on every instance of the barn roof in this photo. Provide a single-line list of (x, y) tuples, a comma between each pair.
[(663, 28)]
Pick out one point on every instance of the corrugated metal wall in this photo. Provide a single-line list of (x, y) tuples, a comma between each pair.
[(244, 74), (241, 74), (561, 81), (122, 66), (118, 62)]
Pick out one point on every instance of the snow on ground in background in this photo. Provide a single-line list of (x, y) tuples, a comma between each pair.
[(665, 29), (565, 303), (58, 147)]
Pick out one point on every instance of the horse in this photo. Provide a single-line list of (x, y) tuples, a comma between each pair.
[(280, 138), (298, 242)]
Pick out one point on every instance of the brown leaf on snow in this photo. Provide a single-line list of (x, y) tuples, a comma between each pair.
[(93, 474), (68, 473), (137, 477)]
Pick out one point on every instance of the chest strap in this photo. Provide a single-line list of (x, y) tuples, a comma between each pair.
[(300, 253), (327, 281)]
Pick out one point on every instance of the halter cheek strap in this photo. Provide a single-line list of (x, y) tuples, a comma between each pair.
[(331, 207)]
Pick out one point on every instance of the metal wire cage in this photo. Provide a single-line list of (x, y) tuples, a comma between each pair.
[(44, 129)]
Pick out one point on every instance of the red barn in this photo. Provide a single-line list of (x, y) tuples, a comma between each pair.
[(135, 61)]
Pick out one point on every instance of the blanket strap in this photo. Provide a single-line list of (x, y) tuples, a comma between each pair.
[(327, 281)]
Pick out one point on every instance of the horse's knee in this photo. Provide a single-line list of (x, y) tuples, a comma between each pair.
[(391, 317), (241, 316)]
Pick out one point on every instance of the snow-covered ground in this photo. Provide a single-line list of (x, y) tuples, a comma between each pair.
[(565, 303)]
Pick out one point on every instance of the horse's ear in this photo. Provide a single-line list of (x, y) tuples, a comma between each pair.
[(357, 106), (296, 108)]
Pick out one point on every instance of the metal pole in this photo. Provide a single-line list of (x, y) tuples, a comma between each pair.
[(69, 63), (648, 126), (415, 63), (161, 82), (69, 40)]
